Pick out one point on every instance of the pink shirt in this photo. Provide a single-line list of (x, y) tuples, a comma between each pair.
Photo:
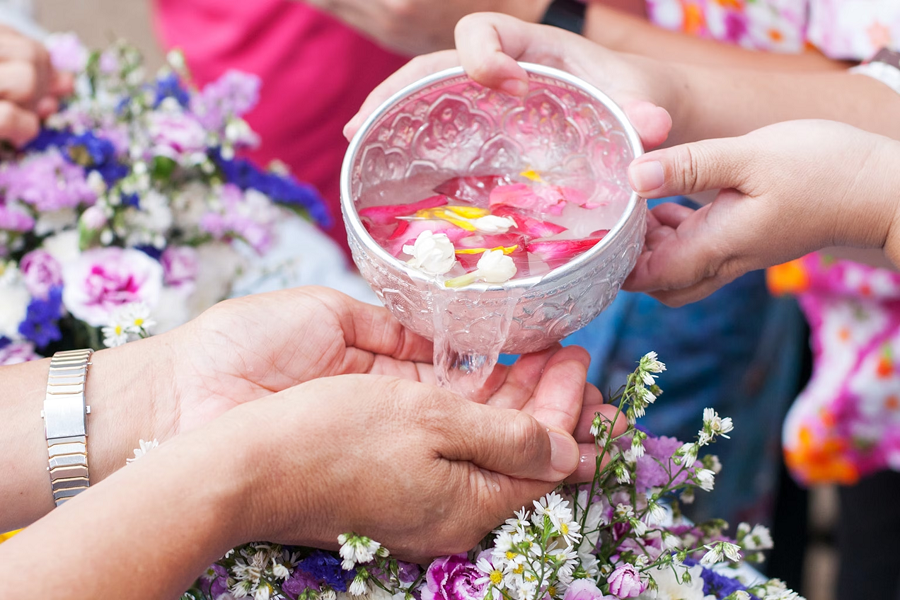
[(316, 72)]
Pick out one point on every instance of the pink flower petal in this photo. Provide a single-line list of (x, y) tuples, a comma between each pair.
[(533, 228), (561, 250), (475, 190), (385, 215), (540, 200)]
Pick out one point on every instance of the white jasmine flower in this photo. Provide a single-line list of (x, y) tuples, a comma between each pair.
[(432, 253), (145, 447), (496, 267), (492, 224), (656, 514), (650, 363), (714, 555), (493, 267), (705, 479)]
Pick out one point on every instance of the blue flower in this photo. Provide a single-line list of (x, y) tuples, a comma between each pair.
[(170, 87), (281, 189), (96, 154), (4, 342), (716, 584), (40, 324), (327, 568), (130, 200), (48, 138)]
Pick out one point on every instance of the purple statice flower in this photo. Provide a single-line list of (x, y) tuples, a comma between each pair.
[(13, 218), (231, 95), (453, 578), (14, 353), (214, 582), (325, 568), (40, 324), (299, 582), (281, 189), (47, 181), (249, 216), (169, 86), (654, 467), (41, 273)]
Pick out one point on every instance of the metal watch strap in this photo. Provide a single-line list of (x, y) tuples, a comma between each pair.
[(566, 14), (64, 417), (884, 66)]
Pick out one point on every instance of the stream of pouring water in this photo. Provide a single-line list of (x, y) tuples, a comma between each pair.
[(468, 337)]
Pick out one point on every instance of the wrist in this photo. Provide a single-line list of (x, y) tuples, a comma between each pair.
[(127, 389), (891, 244)]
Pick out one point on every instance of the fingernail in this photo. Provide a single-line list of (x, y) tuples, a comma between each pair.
[(514, 87), (564, 453), (647, 176)]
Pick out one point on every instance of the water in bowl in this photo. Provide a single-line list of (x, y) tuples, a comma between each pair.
[(538, 220)]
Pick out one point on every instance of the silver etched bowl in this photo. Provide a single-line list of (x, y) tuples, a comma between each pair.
[(449, 125)]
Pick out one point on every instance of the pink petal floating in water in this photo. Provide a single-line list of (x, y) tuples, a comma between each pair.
[(576, 196), (533, 228), (600, 233), (473, 189), (561, 250), (410, 233), (525, 196), (385, 215)]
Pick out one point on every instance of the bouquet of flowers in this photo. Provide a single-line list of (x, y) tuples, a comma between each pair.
[(620, 536), (131, 208)]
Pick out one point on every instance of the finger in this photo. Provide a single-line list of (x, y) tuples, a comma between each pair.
[(17, 125), (522, 379), (587, 464), (653, 123), (506, 441), (373, 329), (557, 400), (691, 168), (46, 106), (62, 84), (19, 83), (414, 70), (489, 45)]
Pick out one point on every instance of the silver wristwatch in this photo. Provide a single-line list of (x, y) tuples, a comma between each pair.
[(65, 415)]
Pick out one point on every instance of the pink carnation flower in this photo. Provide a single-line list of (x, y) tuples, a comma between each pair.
[(180, 265), (585, 589), (41, 272), (99, 281), (453, 578), (625, 582), (176, 133)]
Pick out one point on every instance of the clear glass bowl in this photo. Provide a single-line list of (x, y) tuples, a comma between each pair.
[(448, 124)]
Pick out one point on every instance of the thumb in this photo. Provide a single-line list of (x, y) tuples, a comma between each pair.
[(691, 168), (510, 442)]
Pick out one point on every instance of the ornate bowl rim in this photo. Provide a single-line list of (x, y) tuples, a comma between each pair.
[(352, 220)]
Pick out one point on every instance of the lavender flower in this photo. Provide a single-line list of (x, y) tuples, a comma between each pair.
[(47, 181), (232, 95)]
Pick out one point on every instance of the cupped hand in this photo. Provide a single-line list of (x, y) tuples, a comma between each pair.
[(249, 348), (419, 469), (414, 27), (30, 88), (488, 46), (787, 190)]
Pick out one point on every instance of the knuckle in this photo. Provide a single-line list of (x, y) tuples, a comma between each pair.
[(526, 434)]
